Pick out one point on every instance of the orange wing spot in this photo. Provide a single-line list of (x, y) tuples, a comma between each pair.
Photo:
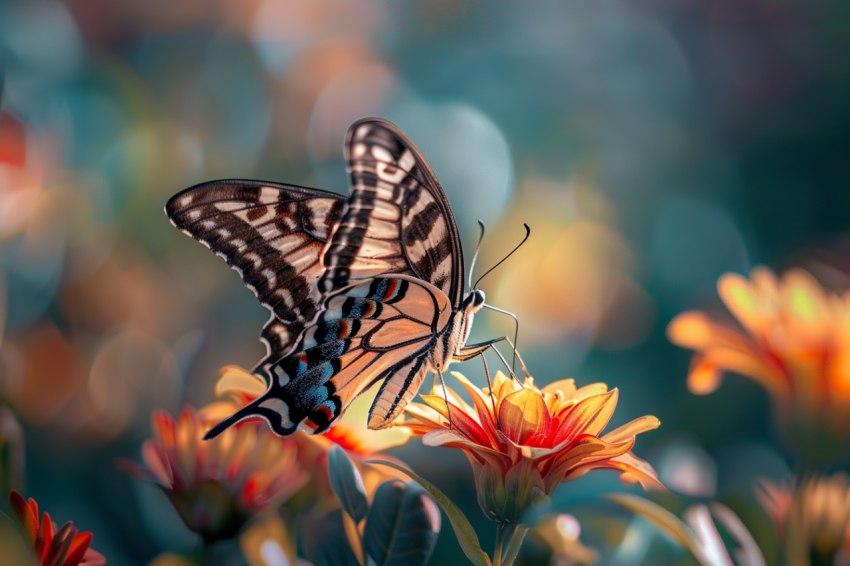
[(391, 289), (373, 308), (310, 424), (345, 328), (325, 411)]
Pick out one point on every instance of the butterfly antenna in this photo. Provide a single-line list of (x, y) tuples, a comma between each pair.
[(475, 256), (516, 330), (527, 234)]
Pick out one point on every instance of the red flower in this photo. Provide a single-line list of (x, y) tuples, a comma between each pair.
[(65, 547), (523, 442), (217, 485)]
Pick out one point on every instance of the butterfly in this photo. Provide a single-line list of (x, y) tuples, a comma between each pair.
[(363, 290)]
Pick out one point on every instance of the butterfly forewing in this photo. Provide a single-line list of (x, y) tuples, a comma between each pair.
[(272, 235), (398, 219)]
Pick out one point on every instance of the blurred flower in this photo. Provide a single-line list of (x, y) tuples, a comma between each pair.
[(217, 485), (561, 534), (63, 547), (776, 500), (237, 387), (523, 442), (795, 343), (814, 518), (42, 373), (581, 266)]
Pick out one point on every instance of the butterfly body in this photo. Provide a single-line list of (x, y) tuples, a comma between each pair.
[(365, 290)]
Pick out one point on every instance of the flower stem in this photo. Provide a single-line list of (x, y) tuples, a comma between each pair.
[(501, 529), (203, 557), (514, 544)]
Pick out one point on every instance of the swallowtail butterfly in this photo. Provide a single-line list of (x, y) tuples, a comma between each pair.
[(363, 290)]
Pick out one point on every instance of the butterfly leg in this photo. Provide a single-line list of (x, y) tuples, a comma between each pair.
[(490, 391), (446, 398), (473, 350)]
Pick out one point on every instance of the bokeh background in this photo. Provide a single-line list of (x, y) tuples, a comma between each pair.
[(652, 145)]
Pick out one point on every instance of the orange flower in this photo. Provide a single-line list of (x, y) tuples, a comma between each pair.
[(237, 387), (65, 547), (795, 343), (523, 442), (814, 518), (217, 485)]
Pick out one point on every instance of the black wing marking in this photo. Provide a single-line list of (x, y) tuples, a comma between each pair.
[(273, 235), (398, 219), (364, 334), (400, 384)]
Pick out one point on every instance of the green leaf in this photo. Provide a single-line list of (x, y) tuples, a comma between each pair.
[(402, 525), (325, 542), (660, 518), (347, 484), (463, 530)]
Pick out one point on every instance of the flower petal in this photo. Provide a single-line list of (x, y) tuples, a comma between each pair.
[(803, 302), (632, 470), (523, 415), (704, 376), (588, 416), (44, 537), (443, 437), (460, 420), (239, 384), (590, 390), (77, 550), (632, 429), (588, 451), (484, 404), (156, 460), (28, 520), (746, 303), (565, 386), (423, 415), (57, 550), (93, 558)]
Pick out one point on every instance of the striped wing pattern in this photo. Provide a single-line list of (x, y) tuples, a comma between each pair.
[(398, 219), (272, 235), (380, 330), (361, 290)]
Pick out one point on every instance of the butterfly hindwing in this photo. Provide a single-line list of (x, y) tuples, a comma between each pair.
[(363, 333), (400, 384), (273, 235), (398, 219)]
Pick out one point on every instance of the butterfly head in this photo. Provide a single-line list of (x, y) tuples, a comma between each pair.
[(474, 301)]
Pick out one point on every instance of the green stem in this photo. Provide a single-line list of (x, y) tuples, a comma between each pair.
[(513, 546), (501, 529), (203, 557)]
